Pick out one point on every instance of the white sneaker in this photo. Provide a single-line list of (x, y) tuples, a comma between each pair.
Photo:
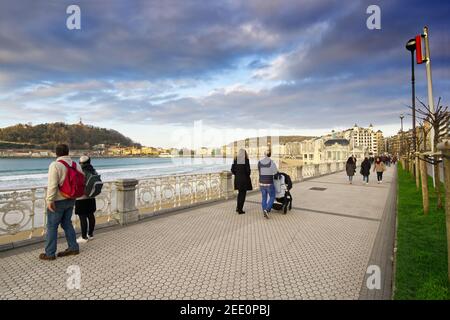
[(90, 238), (81, 240), (367, 183)]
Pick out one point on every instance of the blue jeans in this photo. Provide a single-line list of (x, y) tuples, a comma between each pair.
[(366, 179), (267, 191), (62, 215)]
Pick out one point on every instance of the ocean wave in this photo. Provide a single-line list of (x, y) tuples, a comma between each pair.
[(110, 172)]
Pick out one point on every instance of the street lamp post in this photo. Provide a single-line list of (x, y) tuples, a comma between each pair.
[(411, 47)]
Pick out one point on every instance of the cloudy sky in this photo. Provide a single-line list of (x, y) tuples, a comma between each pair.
[(155, 70)]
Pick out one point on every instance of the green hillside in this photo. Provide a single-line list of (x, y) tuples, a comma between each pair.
[(46, 136)]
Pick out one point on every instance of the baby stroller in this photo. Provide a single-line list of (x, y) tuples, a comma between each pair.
[(283, 184)]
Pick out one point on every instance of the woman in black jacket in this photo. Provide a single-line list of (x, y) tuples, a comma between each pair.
[(350, 168), (242, 181), (85, 207), (365, 170)]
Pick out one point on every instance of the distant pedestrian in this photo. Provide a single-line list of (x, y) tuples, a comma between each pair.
[(365, 170), (267, 169), (379, 168), (242, 181), (65, 184), (350, 168), (86, 206)]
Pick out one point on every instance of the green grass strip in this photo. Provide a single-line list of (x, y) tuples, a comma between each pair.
[(421, 265)]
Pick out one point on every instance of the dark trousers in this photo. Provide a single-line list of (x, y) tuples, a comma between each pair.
[(84, 218), (379, 176), (241, 199)]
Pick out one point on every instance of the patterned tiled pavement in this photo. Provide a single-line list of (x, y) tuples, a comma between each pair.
[(319, 250)]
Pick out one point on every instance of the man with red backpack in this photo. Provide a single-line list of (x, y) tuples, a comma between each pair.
[(65, 184)]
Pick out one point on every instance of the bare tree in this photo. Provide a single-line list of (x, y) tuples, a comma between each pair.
[(422, 137), (437, 119)]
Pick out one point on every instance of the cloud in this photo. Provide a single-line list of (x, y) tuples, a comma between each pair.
[(287, 64)]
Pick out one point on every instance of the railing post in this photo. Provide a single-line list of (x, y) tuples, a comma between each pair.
[(226, 183), (316, 170), (126, 201), (299, 173)]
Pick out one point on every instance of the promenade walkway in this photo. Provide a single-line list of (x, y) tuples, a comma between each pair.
[(319, 250)]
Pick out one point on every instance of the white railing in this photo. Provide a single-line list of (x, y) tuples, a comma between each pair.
[(106, 201), (334, 166), (165, 192), (22, 211), (308, 171), (323, 168)]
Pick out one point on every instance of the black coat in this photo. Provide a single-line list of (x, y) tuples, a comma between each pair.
[(365, 168), (241, 173)]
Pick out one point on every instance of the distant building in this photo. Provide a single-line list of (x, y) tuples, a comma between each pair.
[(321, 150), (363, 141), (336, 149), (380, 145), (99, 147)]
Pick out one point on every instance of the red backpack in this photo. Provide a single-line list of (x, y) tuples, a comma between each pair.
[(73, 185)]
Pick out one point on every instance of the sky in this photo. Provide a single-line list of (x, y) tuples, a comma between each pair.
[(177, 73)]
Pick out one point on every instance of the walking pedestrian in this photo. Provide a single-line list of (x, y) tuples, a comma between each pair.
[(86, 206), (379, 168), (65, 184), (365, 170), (394, 160), (350, 168), (242, 181), (267, 169)]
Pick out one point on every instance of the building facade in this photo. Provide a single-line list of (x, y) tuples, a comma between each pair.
[(364, 138)]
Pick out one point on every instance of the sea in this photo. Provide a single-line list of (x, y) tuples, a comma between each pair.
[(18, 173)]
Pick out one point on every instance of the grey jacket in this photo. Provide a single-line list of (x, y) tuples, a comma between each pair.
[(267, 169)]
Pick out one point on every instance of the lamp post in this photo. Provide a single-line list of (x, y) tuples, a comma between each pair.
[(411, 47)]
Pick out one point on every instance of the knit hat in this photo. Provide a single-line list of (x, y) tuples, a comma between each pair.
[(84, 159)]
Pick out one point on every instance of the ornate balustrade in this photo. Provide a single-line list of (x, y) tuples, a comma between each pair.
[(22, 211), (309, 171), (323, 168), (154, 194)]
